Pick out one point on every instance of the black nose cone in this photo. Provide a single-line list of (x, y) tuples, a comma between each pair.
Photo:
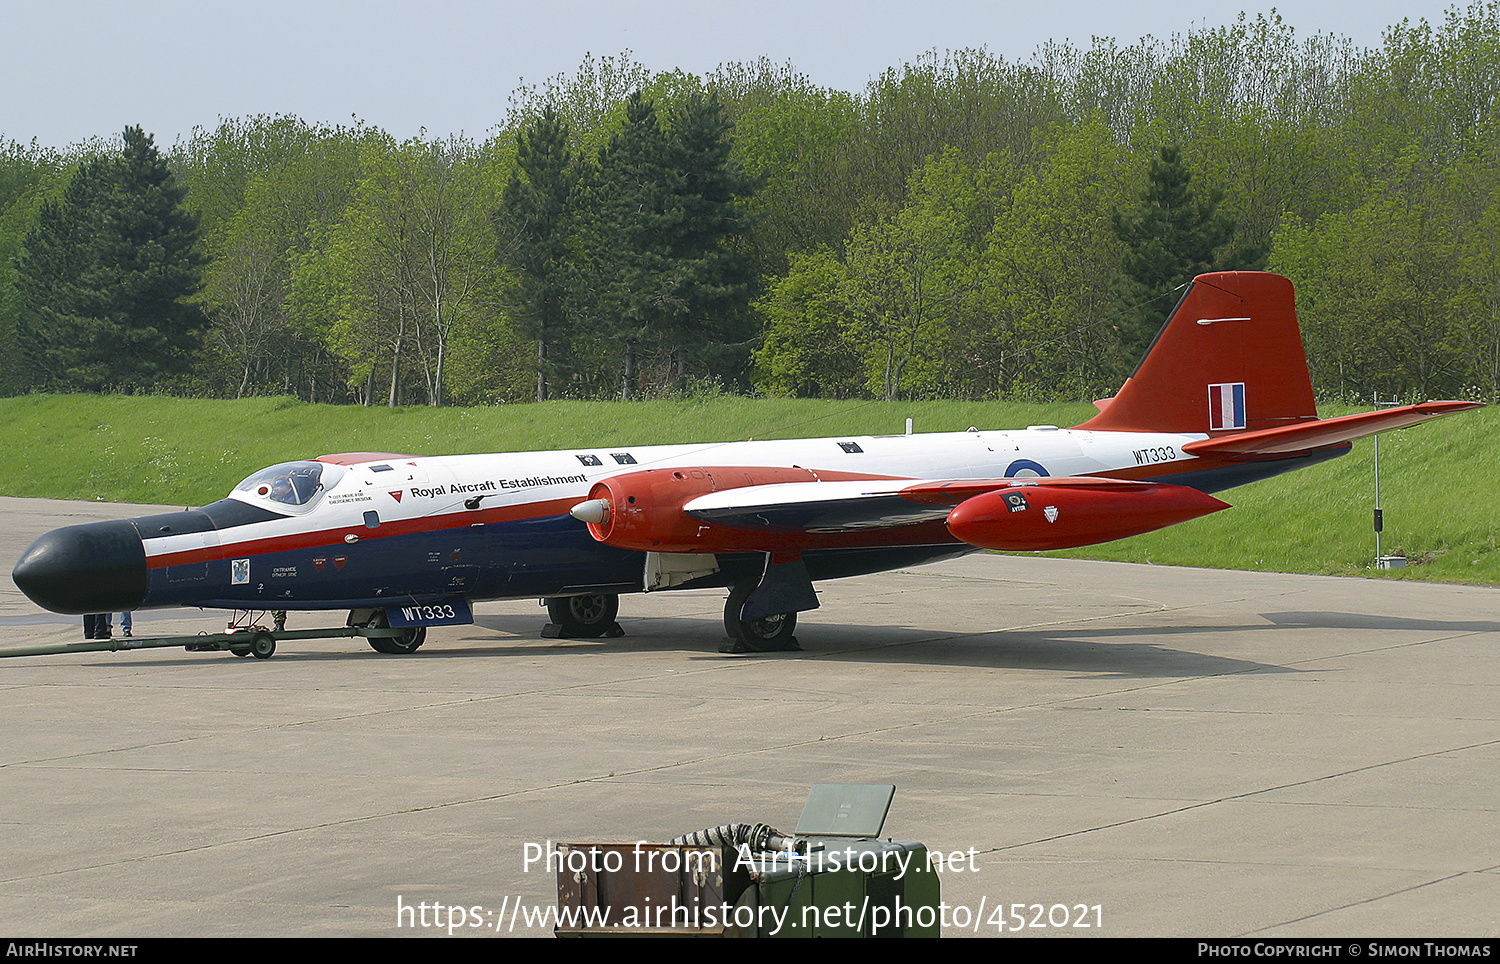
[(95, 568)]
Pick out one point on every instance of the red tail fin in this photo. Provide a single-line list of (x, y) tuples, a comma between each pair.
[(1229, 360)]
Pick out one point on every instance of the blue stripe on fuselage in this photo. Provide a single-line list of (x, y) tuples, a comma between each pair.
[(527, 558), (544, 556)]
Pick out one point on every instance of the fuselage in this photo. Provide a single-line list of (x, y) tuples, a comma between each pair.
[(378, 531)]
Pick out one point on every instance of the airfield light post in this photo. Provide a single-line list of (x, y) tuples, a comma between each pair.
[(1379, 521), (1380, 560)]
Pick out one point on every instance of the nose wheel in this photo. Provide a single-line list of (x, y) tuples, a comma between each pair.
[(408, 639)]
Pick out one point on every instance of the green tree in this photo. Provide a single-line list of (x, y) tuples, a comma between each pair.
[(902, 303), (667, 207), (591, 102), (410, 261), (29, 175), (536, 223), (1385, 295), (630, 226), (245, 289), (1476, 187), (1047, 269), (707, 255), (220, 166), (256, 341), (793, 138), (1174, 235), (810, 349), (969, 100), (107, 277)]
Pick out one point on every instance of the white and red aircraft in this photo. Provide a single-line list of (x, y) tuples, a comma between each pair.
[(1222, 398)]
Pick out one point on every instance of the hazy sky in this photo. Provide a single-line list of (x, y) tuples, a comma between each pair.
[(84, 68)]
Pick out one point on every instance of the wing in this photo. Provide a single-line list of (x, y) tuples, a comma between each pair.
[(1010, 514), (638, 511)]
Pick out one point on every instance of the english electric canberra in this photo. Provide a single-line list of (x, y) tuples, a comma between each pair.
[(1222, 398)]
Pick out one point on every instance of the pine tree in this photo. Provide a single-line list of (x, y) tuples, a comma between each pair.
[(106, 275), (536, 222), (1170, 239), (668, 211), (714, 270), (633, 218)]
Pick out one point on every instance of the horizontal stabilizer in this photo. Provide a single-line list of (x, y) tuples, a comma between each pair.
[(1283, 440)]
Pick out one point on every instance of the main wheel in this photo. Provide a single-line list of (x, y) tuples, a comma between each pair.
[(584, 617), (768, 635), (410, 640)]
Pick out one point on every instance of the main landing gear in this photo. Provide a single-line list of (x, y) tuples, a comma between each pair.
[(583, 617), (771, 634), (592, 616)]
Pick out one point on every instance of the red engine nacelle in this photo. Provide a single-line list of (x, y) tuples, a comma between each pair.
[(643, 510), (1024, 518)]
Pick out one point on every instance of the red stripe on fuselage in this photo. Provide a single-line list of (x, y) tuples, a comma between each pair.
[(334, 537)]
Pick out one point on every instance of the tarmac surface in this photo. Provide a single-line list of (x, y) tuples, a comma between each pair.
[(1193, 752)]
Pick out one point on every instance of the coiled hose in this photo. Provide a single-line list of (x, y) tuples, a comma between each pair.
[(757, 836)]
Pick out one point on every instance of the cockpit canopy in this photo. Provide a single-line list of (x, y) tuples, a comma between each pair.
[(291, 485)]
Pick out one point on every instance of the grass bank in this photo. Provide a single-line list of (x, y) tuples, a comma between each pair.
[(1438, 480)]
